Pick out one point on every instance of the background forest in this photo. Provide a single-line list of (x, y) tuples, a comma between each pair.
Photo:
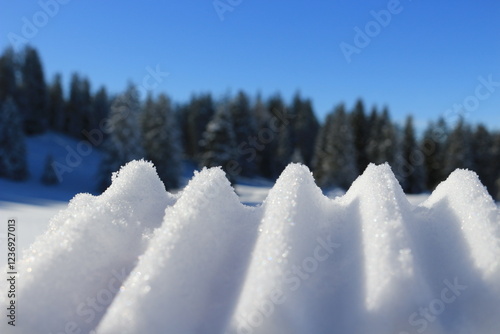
[(248, 136)]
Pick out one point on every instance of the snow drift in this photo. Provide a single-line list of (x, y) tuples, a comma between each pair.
[(139, 260)]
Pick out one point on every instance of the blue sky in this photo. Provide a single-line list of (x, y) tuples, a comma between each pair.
[(427, 59)]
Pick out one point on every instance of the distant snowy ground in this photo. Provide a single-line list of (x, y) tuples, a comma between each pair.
[(140, 260)]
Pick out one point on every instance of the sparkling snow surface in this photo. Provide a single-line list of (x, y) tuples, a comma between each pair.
[(140, 260)]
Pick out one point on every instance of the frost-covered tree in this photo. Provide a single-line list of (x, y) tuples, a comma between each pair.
[(13, 163), (245, 127), (123, 143), (219, 144), (412, 159), (49, 176), (55, 104), (34, 93), (337, 166), (160, 139)]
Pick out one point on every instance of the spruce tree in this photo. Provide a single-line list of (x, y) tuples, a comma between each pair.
[(219, 144), (261, 144), (73, 116), (55, 104), (245, 127), (86, 110), (495, 164), (200, 111), (459, 148), (483, 154), (34, 93), (338, 166), (160, 139), (123, 143), (100, 108), (320, 158), (382, 143), (278, 149), (433, 146), (13, 156), (360, 132), (305, 127), (412, 158), (79, 111), (8, 85)]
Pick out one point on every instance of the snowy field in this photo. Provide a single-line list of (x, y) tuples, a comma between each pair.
[(138, 259)]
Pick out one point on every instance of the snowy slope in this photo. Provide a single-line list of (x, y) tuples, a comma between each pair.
[(140, 260)]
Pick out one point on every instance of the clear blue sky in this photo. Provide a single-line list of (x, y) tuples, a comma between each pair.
[(427, 59)]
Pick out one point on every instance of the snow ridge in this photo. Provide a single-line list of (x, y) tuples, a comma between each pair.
[(140, 260)]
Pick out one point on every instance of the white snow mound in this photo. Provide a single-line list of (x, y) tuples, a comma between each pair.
[(70, 275), (139, 260)]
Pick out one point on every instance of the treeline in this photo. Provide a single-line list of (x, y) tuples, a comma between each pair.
[(247, 136)]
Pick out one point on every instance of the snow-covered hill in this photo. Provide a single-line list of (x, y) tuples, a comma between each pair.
[(140, 260)]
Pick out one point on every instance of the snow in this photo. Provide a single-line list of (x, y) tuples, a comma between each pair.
[(87, 251), (139, 259)]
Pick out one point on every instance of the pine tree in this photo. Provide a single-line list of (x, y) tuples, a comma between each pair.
[(219, 143), (305, 127), (372, 150), (13, 159), (264, 137), (85, 107), (338, 166), (79, 111), (8, 85), (123, 143), (278, 150), (433, 146), (200, 111), (100, 108), (320, 157), (459, 149), (56, 104), (495, 164), (49, 176), (360, 131), (383, 141), (34, 93), (245, 127), (413, 176), (483, 154), (161, 140), (73, 123)]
